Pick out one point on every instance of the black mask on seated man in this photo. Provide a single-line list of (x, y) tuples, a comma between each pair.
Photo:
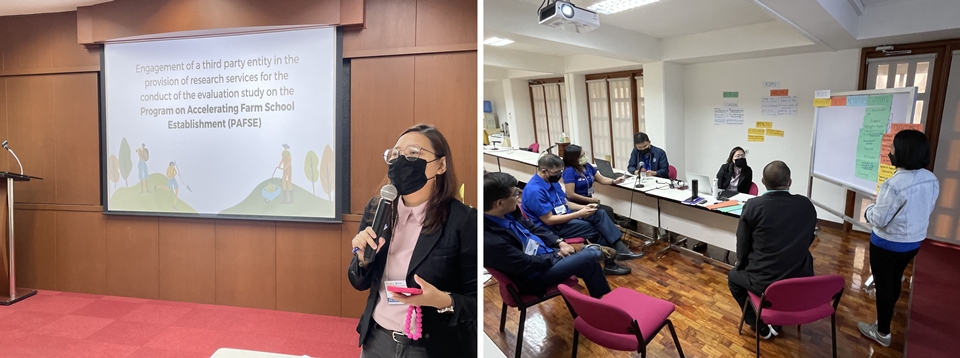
[(645, 151), (554, 178)]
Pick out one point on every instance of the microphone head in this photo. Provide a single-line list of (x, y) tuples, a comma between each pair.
[(388, 192), (5, 145)]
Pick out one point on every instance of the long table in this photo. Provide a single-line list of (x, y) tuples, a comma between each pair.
[(655, 204)]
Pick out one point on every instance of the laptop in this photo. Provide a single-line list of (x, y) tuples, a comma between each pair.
[(703, 183), (606, 169)]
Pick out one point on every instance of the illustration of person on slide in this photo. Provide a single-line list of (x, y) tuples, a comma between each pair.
[(286, 181), (142, 172), (171, 183)]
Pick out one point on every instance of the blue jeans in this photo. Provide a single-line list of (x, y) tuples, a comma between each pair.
[(598, 228), (584, 264), (142, 170)]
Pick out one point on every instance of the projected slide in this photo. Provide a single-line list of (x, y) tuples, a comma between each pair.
[(231, 125)]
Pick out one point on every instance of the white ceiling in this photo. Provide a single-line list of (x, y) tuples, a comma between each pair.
[(876, 2), (671, 18), (23, 7)]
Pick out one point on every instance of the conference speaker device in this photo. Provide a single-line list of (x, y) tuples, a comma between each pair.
[(384, 210), (10, 294)]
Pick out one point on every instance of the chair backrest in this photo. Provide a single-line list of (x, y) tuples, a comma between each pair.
[(505, 283), (535, 147), (596, 313), (672, 172), (754, 190), (803, 293)]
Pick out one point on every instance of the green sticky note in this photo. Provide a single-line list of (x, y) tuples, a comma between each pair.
[(731, 94), (867, 169), (880, 100), (731, 208)]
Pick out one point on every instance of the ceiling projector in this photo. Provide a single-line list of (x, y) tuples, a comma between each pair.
[(563, 14)]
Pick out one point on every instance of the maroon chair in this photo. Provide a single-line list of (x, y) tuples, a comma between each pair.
[(672, 172), (535, 147), (623, 320), (754, 190), (797, 301), (512, 297)]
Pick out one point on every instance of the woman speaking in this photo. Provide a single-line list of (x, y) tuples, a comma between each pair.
[(429, 243)]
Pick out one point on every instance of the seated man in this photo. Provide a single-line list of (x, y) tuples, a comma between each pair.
[(534, 258), (773, 241), (546, 203), (647, 158)]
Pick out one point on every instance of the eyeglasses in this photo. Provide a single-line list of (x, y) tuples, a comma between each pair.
[(740, 155), (411, 152), (552, 173)]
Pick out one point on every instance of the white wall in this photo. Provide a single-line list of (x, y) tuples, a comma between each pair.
[(493, 91), (519, 115), (707, 145)]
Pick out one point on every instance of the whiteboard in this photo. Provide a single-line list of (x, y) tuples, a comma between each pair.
[(836, 131)]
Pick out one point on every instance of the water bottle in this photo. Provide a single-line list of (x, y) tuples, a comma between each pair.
[(716, 193)]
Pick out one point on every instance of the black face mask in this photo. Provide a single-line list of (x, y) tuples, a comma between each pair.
[(893, 161), (741, 162), (554, 178), (645, 151), (408, 176)]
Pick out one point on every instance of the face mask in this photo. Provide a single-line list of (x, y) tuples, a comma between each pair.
[(554, 178), (741, 162), (645, 151), (408, 176), (583, 161), (893, 162)]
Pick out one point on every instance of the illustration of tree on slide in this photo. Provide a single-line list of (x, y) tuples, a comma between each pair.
[(113, 170), (311, 169), (286, 181), (327, 169), (125, 164)]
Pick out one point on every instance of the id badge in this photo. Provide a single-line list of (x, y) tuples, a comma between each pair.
[(394, 284), (531, 247), (560, 210), (590, 192)]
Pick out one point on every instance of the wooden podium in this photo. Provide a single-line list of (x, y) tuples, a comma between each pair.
[(10, 294)]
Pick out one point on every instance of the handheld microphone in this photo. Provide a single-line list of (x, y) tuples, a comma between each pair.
[(6, 146), (638, 185), (387, 195)]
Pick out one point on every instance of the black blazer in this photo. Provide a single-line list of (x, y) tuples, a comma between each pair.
[(774, 238), (446, 259), (746, 178), (503, 251)]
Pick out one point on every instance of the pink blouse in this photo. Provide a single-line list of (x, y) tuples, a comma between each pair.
[(405, 236)]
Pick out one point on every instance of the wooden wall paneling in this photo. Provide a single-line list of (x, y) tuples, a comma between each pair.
[(382, 96), (36, 248), (246, 263), (133, 255), (445, 22), (387, 24), (77, 133), (24, 44), (187, 260), (351, 12), (352, 302), (446, 96), (81, 252), (4, 159), (66, 51), (308, 265), (31, 129)]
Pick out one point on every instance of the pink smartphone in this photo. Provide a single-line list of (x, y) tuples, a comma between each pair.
[(404, 290)]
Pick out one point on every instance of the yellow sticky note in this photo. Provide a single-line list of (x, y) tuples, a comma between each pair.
[(821, 102), (755, 131), (885, 172), (754, 138), (774, 132), (764, 124)]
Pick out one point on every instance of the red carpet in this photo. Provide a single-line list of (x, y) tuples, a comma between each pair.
[(63, 324), (935, 305)]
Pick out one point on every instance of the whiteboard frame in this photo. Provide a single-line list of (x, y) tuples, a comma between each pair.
[(912, 91)]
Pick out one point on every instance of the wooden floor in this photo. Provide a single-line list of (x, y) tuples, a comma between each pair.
[(706, 317)]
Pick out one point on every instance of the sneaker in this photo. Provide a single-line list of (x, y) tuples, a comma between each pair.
[(870, 330), (767, 331)]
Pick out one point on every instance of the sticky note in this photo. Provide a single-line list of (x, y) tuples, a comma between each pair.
[(755, 131), (838, 101), (754, 138), (898, 127), (774, 132), (856, 101), (866, 169), (885, 144), (821, 102), (821, 94), (731, 94), (880, 100), (885, 172), (779, 92), (764, 124)]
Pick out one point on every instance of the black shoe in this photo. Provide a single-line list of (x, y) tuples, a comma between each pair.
[(766, 331), (700, 247), (612, 269), (630, 255)]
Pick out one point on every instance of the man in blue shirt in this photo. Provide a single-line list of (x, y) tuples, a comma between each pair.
[(532, 256), (546, 203), (647, 158)]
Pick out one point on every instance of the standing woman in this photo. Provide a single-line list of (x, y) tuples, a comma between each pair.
[(579, 176), (735, 175), (430, 243), (900, 219)]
